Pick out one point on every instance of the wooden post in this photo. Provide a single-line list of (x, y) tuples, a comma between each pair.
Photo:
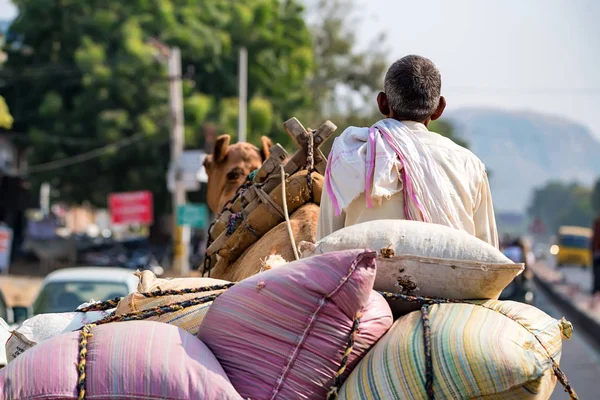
[(269, 176)]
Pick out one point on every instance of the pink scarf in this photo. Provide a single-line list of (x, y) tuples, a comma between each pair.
[(365, 160)]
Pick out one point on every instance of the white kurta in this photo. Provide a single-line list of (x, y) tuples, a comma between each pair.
[(470, 197)]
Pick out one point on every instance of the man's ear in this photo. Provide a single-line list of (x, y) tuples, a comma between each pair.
[(221, 148), (265, 147), (382, 103), (440, 109)]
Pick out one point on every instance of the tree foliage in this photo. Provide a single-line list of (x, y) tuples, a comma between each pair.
[(559, 203), (596, 197), (344, 72), (347, 79), (81, 74)]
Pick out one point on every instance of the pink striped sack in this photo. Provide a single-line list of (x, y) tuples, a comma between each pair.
[(282, 334), (126, 360)]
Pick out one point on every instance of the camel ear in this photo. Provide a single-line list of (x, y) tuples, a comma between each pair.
[(265, 147), (221, 148), (208, 163)]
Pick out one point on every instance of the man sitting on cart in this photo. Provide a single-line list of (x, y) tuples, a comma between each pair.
[(398, 169)]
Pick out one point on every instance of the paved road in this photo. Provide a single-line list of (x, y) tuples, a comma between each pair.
[(581, 277), (580, 360)]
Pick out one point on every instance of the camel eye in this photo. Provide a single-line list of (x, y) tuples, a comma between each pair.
[(235, 174)]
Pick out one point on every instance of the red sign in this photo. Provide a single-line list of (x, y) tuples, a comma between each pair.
[(131, 208)]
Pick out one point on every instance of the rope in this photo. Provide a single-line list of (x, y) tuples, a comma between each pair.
[(310, 164), (562, 378), (426, 300), (427, 345), (134, 316), (252, 174), (232, 225), (101, 306), (207, 265), (175, 292), (287, 216), (337, 381), (110, 304), (81, 365)]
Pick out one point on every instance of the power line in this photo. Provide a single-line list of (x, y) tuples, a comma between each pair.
[(70, 140), (81, 158)]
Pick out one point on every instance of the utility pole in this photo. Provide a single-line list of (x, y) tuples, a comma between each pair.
[(45, 199), (243, 93), (181, 234)]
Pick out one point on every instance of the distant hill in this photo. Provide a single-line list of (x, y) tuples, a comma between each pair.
[(525, 150)]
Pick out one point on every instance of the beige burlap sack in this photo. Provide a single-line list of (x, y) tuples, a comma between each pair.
[(188, 318), (424, 259)]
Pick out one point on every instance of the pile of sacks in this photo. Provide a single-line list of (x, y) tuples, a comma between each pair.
[(320, 327)]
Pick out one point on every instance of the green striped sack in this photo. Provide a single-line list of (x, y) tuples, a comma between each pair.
[(486, 350)]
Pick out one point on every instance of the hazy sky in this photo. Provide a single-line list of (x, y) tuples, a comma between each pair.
[(541, 55)]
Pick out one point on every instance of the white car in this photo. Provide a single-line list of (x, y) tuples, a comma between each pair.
[(10, 318), (66, 289)]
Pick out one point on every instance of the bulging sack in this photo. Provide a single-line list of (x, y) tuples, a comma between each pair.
[(125, 360), (424, 259), (45, 326), (188, 318), (282, 334), (495, 350)]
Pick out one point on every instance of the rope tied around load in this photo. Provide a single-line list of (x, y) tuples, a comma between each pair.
[(252, 174), (428, 301), (338, 381), (110, 304), (85, 331), (233, 219), (310, 163), (287, 215), (81, 366), (207, 264), (333, 393)]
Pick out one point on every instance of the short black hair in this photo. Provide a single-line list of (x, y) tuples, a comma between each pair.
[(413, 85)]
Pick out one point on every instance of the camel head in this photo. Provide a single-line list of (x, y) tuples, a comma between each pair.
[(229, 165)]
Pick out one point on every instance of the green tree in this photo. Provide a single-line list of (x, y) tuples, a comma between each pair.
[(346, 80), (82, 74), (559, 203), (596, 197), (346, 77)]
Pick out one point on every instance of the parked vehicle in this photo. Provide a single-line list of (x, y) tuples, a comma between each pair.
[(131, 254), (66, 289), (573, 247), (12, 317)]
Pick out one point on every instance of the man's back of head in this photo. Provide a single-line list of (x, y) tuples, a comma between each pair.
[(412, 90)]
